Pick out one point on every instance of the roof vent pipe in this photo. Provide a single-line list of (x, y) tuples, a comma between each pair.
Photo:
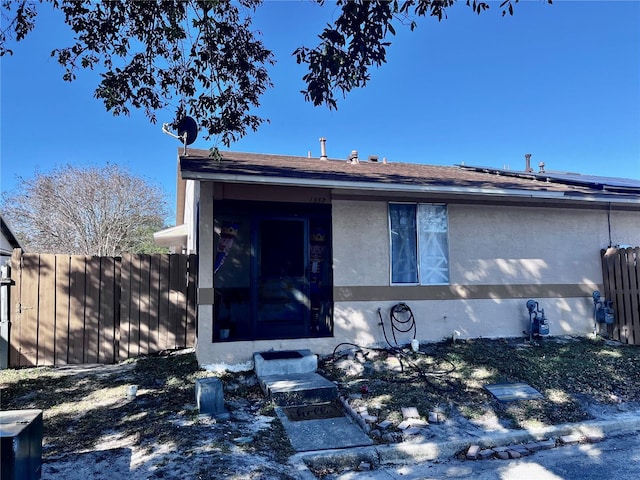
[(541, 167), (323, 148), (527, 163), (353, 158)]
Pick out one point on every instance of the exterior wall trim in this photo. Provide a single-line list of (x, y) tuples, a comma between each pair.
[(460, 292)]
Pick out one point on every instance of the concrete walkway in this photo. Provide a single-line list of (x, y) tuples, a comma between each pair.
[(375, 462)]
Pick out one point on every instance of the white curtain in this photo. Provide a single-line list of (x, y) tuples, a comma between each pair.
[(433, 244)]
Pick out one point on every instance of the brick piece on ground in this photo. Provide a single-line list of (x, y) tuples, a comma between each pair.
[(385, 424), (541, 445), (364, 466), (410, 412), (412, 431), (369, 418), (547, 444), (532, 446), (594, 438), (487, 453), (569, 439), (514, 454), (416, 422), (521, 450), (503, 455), (404, 425), (472, 452)]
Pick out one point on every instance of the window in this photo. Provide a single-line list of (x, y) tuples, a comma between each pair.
[(419, 243)]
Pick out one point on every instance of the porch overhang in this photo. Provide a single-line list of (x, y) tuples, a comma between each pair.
[(370, 188)]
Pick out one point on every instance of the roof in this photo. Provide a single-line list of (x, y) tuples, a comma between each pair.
[(372, 177), (8, 235), (172, 236), (595, 182)]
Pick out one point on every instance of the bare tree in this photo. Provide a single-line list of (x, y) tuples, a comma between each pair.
[(86, 211)]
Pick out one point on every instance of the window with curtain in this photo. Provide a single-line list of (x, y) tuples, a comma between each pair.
[(419, 243)]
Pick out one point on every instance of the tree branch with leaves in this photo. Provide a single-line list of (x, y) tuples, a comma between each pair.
[(202, 58)]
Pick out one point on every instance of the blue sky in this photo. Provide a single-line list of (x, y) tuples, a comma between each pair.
[(560, 81)]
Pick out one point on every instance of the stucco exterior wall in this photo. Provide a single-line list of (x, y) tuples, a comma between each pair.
[(360, 243), (192, 194), (500, 256), (524, 245)]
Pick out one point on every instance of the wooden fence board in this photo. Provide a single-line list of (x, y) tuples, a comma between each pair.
[(164, 322), (633, 265), (144, 304), (192, 309), (92, 312), (46, 309), (609, 285), (153, 301), (174, 300), (63, 297), (620, 272), (125, 306), (134, 307), (77, 309), (106, 353), (181, 327), (29, 310), (15, 332)]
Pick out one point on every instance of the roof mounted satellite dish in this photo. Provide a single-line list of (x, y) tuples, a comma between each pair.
[(187, 131)]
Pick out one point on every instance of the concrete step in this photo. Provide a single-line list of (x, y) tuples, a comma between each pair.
[(298, 389), (284, 362)]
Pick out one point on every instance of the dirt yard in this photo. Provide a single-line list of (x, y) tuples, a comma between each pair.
[(92, 430)]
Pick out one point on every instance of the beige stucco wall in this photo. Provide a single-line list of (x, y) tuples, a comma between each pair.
[(522, 245), (360, 243), (499, 257)]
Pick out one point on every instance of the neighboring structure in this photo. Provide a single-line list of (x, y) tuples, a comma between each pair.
[(8, 241), (300, 252)]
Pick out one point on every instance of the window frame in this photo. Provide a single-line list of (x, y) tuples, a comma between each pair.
[(418, 243)]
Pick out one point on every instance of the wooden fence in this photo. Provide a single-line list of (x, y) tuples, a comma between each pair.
[(72, 309), (621, 278)]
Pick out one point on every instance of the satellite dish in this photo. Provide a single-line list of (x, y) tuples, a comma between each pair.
[(188, 130)]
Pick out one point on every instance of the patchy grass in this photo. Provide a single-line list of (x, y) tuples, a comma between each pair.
[(86, 407), (573, 374)]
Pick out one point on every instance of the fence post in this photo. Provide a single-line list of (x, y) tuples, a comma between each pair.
[(5, 320)]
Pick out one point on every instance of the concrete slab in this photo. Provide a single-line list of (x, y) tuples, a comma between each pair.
[(298, 389), (325, 434)]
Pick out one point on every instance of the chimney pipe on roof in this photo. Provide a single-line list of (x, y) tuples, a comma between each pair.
[(527, 163), (541, 167), (323, 148)]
